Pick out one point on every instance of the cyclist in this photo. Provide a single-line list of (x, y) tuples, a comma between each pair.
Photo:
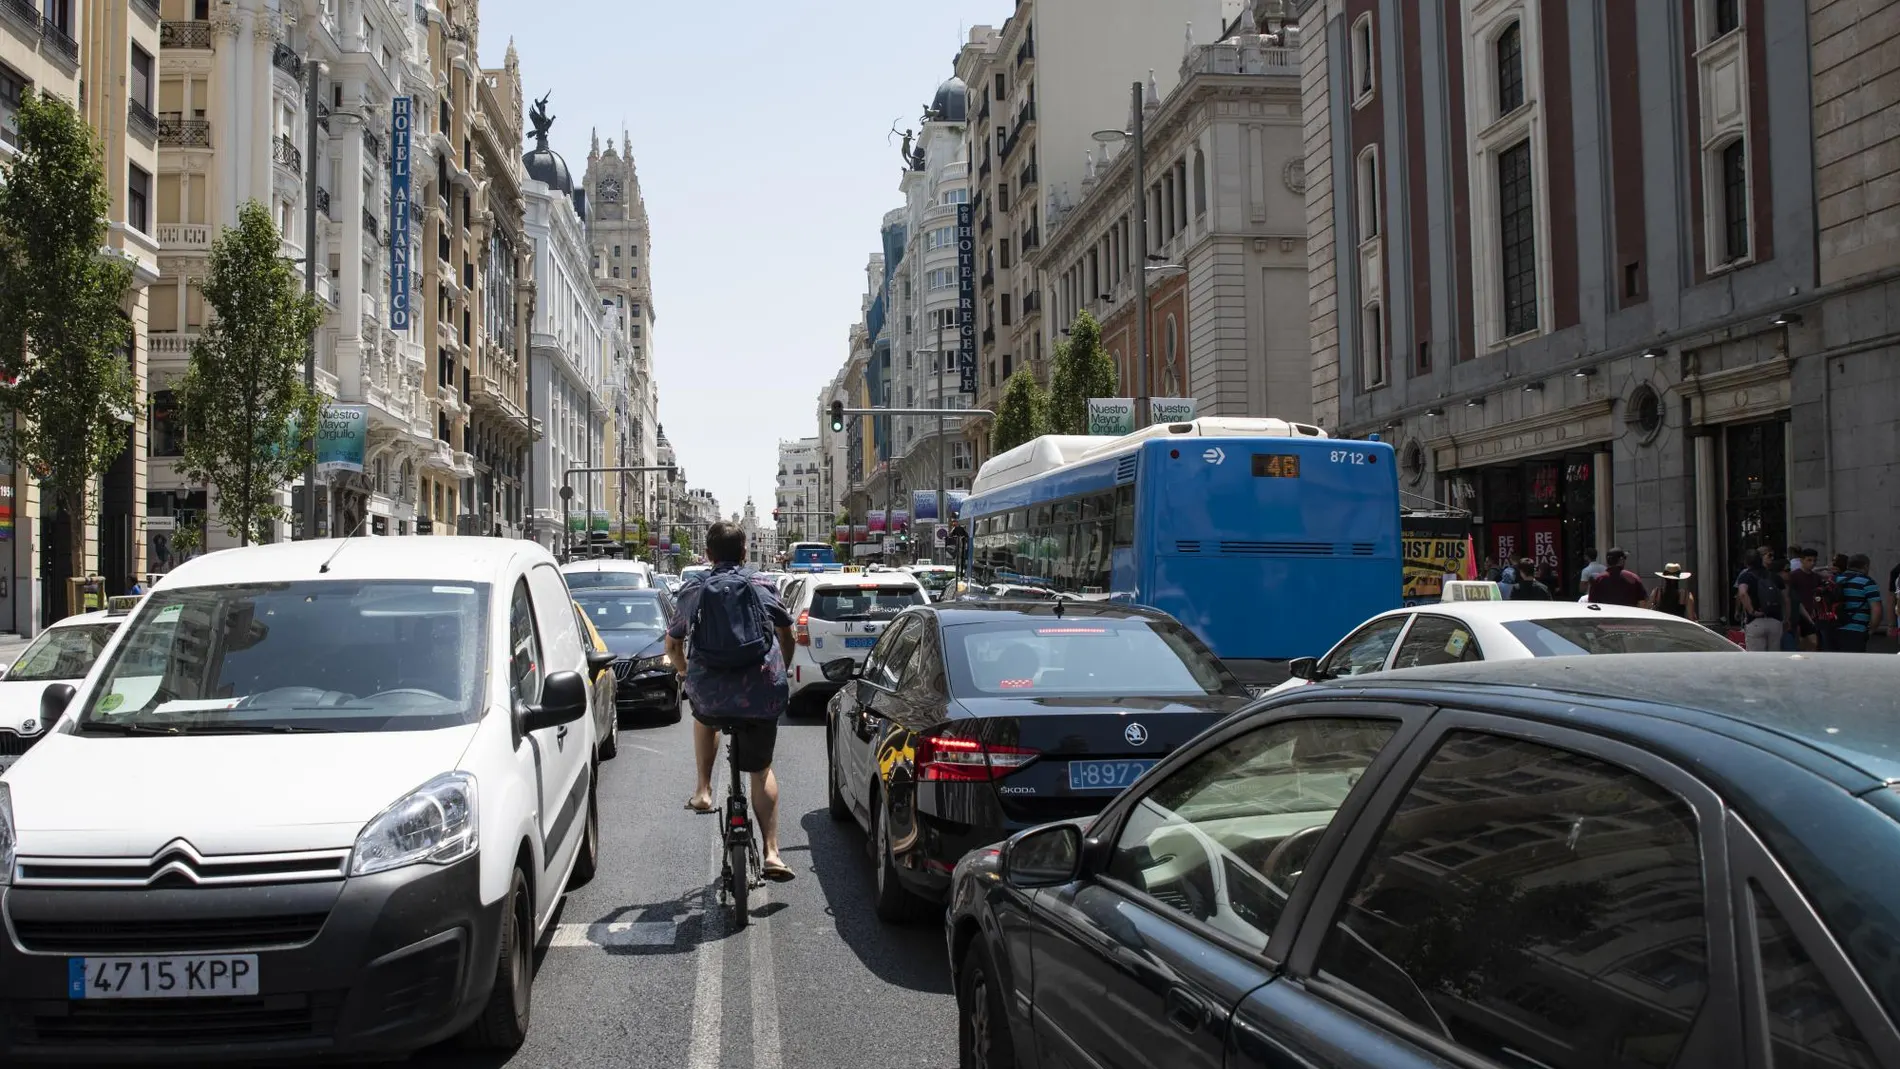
[(743, 692)]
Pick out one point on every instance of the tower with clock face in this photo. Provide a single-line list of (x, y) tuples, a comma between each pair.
[(617, 235)]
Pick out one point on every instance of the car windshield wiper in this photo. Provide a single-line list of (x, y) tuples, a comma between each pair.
[(126, 727), (261, 729)]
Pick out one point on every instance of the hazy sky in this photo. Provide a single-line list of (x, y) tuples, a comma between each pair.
[(761, 132)]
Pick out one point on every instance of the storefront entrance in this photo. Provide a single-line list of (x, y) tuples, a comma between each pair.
[(1756, 455), (1544, 509)]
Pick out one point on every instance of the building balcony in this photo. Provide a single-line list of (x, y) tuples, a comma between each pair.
[(989, 335), (170, 345), (983, 113), (988, 278), (175, 132), (183, 237), (983, 168), (463, 464), (1026, 54), (1009, 143), (286, 59), (373, 147), (1026, 114), (285, 153), (181, 33), (1032, 238), (323, 203), (61, 41), (323, 116), (984, 224), (24, 12), (370, 226), (1032, 303), (1026, 178), (140, 120)]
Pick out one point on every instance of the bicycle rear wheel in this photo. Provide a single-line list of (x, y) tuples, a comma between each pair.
[(739, 884)]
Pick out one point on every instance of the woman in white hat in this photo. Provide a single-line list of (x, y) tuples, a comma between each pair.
[(1675, 597)]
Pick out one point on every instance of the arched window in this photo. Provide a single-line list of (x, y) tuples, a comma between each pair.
[(1510, 68), (1200, 183)]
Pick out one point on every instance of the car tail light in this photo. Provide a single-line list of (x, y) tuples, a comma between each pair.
[(954, 759), (802, 629)]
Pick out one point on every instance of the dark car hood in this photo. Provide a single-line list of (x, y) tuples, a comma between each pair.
[(635, 644)]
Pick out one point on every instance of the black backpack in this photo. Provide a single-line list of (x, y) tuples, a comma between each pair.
[(729, 627)]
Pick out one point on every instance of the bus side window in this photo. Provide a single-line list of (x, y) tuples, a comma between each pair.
[(1125, 515)]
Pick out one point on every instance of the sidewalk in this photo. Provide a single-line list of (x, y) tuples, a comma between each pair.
[(11, 646)]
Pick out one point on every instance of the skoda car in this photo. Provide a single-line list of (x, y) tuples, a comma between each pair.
[(971, 720), (633, 625)]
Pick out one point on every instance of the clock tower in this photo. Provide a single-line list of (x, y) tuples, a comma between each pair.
[(618, 238)]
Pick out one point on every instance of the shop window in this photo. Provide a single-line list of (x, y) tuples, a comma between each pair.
[(166, 433)]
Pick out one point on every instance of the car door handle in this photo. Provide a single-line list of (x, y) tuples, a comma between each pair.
[(1185, 1011)]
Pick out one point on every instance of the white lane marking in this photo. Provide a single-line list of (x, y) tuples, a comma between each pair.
[(616, 934), (709, 1015), (648, 749), (765, 1052)]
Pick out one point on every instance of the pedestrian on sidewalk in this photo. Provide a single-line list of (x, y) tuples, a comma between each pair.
[(1864, 611), (1528, 587), (1758, 596), (1617, 585), (1673, 597), (1590, 571)]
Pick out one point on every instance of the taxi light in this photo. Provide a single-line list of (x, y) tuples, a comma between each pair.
[(953, 759), (802, 629)]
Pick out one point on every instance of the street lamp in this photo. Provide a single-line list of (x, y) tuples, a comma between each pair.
[(1135, 134)]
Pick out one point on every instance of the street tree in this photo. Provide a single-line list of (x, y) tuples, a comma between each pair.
[(1023, 414), (1083, 369), (244, 400), (65, 376)]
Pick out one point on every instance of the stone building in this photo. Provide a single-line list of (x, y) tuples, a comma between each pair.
[(500, 433), (1612, 273), (1225, 180), (617, 233)]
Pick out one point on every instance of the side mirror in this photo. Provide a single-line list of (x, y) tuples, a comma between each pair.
[(1044, 857), (563, 701), (1306, 668), (600, 660), (53, 702), (842, 669)]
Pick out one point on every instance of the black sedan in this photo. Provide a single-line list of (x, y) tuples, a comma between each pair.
[(972, 720), (1688, 862), (633, 624)]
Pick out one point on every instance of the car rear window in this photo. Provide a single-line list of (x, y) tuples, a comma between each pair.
[(1574, 636), (863, 602), (1043, 657), (594, 580)]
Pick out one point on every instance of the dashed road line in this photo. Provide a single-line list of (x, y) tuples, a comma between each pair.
[(616, 934), (709, 1007)]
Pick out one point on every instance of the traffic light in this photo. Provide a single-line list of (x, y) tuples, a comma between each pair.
[(837, 417)]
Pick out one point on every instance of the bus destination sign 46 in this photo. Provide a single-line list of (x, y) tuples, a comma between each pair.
[(1276, 465)]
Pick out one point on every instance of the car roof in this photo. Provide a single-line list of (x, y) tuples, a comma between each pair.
[(606, 564), (978, 612), (1507, 611), (616, 592), (1838, 703), (97, 616), (859, 580), (466, 559)]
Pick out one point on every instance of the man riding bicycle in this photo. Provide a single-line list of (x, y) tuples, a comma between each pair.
[(734, 676)]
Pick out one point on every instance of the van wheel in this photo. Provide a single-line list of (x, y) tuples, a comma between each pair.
[(503, 1025), (894, 903), (588, 862)]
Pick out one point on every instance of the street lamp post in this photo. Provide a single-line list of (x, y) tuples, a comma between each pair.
[(312, 99), (1141, 258)]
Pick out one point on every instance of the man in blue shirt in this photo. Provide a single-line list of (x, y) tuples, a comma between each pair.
[(749, 700), (1862, 610)]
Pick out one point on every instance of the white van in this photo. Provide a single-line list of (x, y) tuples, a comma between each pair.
[(316, 797)]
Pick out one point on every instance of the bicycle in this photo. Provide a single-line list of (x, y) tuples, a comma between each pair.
[(744, 866)]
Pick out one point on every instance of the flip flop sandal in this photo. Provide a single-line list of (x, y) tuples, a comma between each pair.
[(778, 873), (709, 808)]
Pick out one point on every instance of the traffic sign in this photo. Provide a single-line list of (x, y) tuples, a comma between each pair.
[(943, 535)]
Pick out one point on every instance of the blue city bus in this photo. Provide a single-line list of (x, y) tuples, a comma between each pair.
[(812, 557), (1268, 539)]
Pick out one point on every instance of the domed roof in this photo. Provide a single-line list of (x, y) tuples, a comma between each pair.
[(952, 103), (546, 165)]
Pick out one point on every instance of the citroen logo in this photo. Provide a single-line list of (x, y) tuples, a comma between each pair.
[(1135, 734)]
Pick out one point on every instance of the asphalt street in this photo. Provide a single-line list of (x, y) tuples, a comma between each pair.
[(643, 970)]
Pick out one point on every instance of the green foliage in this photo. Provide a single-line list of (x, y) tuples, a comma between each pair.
[(1023, 414), (64, 370), (244, 397), (1083, 369)]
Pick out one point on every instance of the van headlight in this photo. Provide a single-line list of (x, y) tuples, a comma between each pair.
[(435, 824), (9, 836)]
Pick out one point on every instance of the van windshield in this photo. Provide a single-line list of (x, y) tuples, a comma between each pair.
[(327, 655)]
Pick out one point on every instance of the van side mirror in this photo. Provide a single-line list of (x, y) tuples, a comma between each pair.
[(1044, 857), (53, 702), (564, 698), (1306, 668)]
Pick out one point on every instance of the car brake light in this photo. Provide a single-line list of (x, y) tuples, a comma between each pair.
[(953, 759), (802, 629)]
